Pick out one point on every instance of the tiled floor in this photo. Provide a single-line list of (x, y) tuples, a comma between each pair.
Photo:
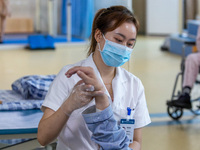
[(156, 69)]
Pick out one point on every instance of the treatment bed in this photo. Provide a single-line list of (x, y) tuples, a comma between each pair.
[(20, 112)]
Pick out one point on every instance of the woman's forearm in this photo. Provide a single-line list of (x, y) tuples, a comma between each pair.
[(137, 139), (50, 126), (135, 145)]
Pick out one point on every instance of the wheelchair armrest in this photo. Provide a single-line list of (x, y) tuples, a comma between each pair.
[(190, 43)]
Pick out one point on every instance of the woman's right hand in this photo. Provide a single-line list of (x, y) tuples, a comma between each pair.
[(80, 96)]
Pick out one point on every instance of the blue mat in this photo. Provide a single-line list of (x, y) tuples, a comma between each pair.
[(23, 39)]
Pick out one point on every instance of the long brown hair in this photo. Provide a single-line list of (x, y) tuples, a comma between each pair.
[(108, 20)]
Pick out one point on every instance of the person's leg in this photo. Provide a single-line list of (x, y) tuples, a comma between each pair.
[(2, 27), (192, 64)]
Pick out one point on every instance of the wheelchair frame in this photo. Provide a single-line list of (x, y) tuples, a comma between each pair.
[(176, 112)]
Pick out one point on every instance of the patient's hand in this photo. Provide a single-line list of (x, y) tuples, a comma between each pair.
[(88, 76)]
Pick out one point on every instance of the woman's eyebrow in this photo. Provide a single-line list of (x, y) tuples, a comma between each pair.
[(133, 39)]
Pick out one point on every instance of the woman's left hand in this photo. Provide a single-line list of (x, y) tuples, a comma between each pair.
[(89, 77)]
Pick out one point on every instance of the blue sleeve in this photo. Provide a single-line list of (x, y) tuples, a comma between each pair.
[(105, 130)]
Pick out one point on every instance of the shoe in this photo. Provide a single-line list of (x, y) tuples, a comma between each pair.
[(164, 48), (183, 102)]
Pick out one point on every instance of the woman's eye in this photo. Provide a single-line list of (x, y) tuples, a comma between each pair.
[(130, 45), (118, 40)]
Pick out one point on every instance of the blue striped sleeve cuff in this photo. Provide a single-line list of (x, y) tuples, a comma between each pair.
[(91, 116)]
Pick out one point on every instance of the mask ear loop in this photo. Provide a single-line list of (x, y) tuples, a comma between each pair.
[(103, 36), (99, 44), (99, 49)]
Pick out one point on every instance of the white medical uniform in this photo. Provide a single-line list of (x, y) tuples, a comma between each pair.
[(128, 92)]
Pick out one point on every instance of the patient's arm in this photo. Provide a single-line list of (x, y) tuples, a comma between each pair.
[(105, 130)]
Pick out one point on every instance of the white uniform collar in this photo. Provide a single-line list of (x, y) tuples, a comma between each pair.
[(119, 73), (118, 81)]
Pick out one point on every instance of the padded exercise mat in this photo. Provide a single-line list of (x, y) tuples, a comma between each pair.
[(38, 42)]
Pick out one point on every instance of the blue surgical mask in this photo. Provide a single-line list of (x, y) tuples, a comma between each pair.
[(114, 54)]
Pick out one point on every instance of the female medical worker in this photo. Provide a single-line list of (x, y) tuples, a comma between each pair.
[(113, 38)]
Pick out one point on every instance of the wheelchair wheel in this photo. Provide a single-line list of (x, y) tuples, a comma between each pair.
[(175, 112), (196, 106)]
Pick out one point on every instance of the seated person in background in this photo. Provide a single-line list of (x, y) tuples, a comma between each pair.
[(191, 71), (4, 12)]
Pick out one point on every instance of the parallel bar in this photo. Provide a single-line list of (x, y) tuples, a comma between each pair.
[(69, 19)]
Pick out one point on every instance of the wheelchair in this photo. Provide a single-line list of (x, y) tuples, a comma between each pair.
[(176, 112)]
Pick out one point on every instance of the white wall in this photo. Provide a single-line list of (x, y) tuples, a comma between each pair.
[(22, 8), (107, 3), (27, 9), (198, 10), (162, 17)]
